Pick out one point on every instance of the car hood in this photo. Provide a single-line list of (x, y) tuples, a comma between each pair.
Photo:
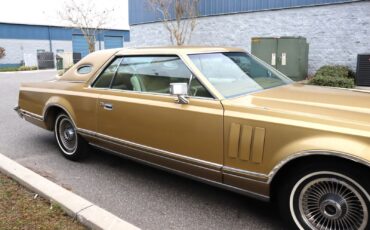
[(300, 102)]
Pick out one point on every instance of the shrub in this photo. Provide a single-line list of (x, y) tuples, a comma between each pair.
[(8, 69), (2, 52), (334, 76), (27, 68), (20, 68), (342, 82), (336, 71)]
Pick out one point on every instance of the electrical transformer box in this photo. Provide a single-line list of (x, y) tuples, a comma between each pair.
[(289, 55)]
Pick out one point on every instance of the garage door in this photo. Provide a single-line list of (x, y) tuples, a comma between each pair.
[(80, 45), (111, 42)]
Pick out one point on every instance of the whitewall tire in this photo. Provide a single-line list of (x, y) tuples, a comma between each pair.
[(330, 198), (72, 146)]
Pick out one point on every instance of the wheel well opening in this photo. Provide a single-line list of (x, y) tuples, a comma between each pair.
[(293, 165), (51, 115)]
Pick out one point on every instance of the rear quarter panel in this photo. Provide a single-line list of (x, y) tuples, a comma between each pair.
[(79, 102)]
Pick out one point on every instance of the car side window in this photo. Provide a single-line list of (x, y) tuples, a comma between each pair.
[(154, 74), (84, 69), (105, 78)]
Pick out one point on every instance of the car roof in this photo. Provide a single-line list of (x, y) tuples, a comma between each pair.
[(99, 58), (176, 50)]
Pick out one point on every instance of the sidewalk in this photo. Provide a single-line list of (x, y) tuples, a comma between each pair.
[(77, 207), (366, 88)]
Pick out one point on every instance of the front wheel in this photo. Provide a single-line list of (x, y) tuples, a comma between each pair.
[(72, 146), (326, 198)]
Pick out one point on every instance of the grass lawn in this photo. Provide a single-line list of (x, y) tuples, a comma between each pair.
[(19, 209), (20, 68)]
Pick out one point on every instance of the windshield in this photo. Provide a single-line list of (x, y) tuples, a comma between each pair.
[(234, 74)]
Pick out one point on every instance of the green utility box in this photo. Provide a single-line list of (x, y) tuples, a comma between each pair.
[(59, 62), (289, 55)]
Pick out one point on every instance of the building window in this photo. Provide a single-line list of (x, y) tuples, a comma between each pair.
[(60, 51), (40, 51)]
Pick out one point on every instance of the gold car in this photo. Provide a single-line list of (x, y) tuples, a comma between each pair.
[(221, 116)]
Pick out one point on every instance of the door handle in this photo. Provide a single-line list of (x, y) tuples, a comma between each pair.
[(106, 106)]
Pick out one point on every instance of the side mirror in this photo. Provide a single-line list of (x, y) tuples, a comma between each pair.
[(181, 91)]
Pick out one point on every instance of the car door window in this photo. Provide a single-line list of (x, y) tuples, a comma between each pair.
[(154, 74), (105, 78)]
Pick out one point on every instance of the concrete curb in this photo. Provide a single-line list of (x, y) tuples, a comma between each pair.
[(83, 210)]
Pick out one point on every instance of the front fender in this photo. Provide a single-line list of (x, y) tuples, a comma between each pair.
[(347, 147)]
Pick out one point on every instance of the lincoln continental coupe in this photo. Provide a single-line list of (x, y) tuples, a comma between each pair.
[(221, 116)]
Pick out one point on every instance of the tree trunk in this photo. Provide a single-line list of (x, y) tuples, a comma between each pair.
[(91, 47)]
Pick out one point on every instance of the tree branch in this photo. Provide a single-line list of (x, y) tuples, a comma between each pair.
[(182, 23), (85, 17)]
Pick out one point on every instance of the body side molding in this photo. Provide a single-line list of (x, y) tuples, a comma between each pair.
[(244, 176), (200, 179), (165, 153)]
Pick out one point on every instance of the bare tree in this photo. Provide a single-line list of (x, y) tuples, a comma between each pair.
[(179, 18), (2, 52), (85, 16)]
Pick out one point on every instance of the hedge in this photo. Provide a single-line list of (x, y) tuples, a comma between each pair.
[(334, 76), (336, 71), (20, 68), (341, 82)]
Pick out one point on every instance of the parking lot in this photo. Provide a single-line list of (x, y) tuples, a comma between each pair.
[(144, 196)]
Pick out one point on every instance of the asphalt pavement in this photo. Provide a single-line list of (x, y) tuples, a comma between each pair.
[(146, 197)]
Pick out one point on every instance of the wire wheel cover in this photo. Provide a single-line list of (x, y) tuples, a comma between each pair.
[(329, 203), (67, 135)]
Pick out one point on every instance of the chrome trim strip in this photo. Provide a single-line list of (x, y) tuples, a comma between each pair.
[(260, 177), (242, 178), (164, 153), (86, 132), (115, 56), (23, 113), (153, 154), (347, 156), (233, 171), (98, 72), (17, 109), (150, 93), (210, 182)]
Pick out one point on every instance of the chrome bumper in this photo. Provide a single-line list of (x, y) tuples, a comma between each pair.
[(19, 111)]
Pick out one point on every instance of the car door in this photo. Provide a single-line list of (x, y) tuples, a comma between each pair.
[(137, 112)]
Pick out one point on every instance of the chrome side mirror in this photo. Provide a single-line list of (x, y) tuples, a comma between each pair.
[(181, 91)]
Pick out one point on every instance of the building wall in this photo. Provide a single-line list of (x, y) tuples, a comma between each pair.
[(21, 42), (64, 45), (141, 11), (16, 48), (336, 33)]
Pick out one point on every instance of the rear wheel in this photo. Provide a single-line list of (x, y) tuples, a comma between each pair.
[(326, 198), (72, 146)]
